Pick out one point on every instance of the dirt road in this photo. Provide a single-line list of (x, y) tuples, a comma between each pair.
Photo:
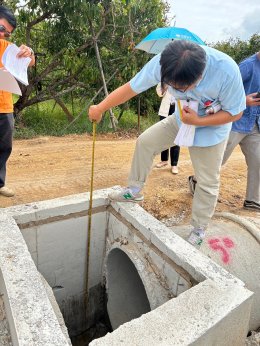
[(49, 167)]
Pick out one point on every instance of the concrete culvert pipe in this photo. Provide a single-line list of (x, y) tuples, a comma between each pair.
[(127, 297), (234, 243)]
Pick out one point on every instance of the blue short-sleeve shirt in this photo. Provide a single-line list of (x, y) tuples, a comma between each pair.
[(221, 81)]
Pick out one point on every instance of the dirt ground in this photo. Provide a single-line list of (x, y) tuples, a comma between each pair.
[(49, 167)]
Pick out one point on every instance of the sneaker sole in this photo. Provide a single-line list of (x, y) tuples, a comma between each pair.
[(161, 166), (251, 208)]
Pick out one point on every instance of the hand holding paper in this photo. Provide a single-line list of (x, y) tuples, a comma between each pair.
[(15, 65), (186, 133), (15, 68), (189, 116)]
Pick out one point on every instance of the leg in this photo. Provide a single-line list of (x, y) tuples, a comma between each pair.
[(234, 139), (164, 153), (6, 139), (206, 163), (175, 153), (250, 147), (154, 140)]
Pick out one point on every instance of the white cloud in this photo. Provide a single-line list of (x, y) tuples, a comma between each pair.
[(216, 20), (248, 26)]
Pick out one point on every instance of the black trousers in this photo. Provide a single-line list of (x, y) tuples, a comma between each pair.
[(6, 142), (175, 150)]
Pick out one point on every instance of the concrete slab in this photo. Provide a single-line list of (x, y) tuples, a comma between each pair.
[(204, 315)]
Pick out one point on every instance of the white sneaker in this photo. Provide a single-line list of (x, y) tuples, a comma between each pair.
[(196, 237), (5, 191), (175, 170), (125, 195)]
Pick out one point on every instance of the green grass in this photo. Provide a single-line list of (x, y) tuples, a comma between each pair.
[(48, 119)]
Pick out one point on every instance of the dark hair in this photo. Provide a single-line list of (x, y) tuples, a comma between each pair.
[(182, 63), (8, 15)]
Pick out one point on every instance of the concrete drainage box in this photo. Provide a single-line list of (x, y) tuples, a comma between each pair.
[(156, 288)]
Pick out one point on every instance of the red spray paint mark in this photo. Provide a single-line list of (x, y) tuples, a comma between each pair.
[(222, 245)]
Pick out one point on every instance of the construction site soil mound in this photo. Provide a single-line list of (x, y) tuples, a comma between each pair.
[(49, 167)]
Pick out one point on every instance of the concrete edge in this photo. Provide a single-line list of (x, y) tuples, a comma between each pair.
[(247, 224), (31, 318), (37, 211)]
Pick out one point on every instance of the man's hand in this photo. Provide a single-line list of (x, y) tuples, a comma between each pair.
[(25, 52), (94, 113), (189, 116), (251, 101)]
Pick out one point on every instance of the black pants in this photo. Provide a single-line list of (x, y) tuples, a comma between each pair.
[(175, 150), (6, 141)]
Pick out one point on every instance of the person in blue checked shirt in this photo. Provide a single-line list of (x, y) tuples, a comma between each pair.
[(191, 72)]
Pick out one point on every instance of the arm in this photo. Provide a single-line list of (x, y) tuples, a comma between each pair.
[(190, 117), (246, 73), (231, 97), (117, 97), (149, 76)]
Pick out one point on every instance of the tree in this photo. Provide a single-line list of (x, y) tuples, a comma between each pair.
[(65, 35), (239, 49)]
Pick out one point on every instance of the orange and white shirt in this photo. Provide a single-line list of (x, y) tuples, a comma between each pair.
[(6, 98)]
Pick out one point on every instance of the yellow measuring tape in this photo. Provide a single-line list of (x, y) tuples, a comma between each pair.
[(90, 206)]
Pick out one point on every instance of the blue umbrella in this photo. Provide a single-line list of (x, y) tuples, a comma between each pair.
[(158, 39)]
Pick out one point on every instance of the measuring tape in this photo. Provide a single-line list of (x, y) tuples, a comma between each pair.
[(90, 206)]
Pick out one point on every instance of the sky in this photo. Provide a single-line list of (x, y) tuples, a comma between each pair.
[(217, 20)]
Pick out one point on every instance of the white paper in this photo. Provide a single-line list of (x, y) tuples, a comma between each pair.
[(16, 66), (9, 83), (186, 133)]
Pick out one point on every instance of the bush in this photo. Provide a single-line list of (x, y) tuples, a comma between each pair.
[(49, 119)]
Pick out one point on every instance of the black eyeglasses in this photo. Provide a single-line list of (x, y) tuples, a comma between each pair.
[(6, 33), (182, 90)]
